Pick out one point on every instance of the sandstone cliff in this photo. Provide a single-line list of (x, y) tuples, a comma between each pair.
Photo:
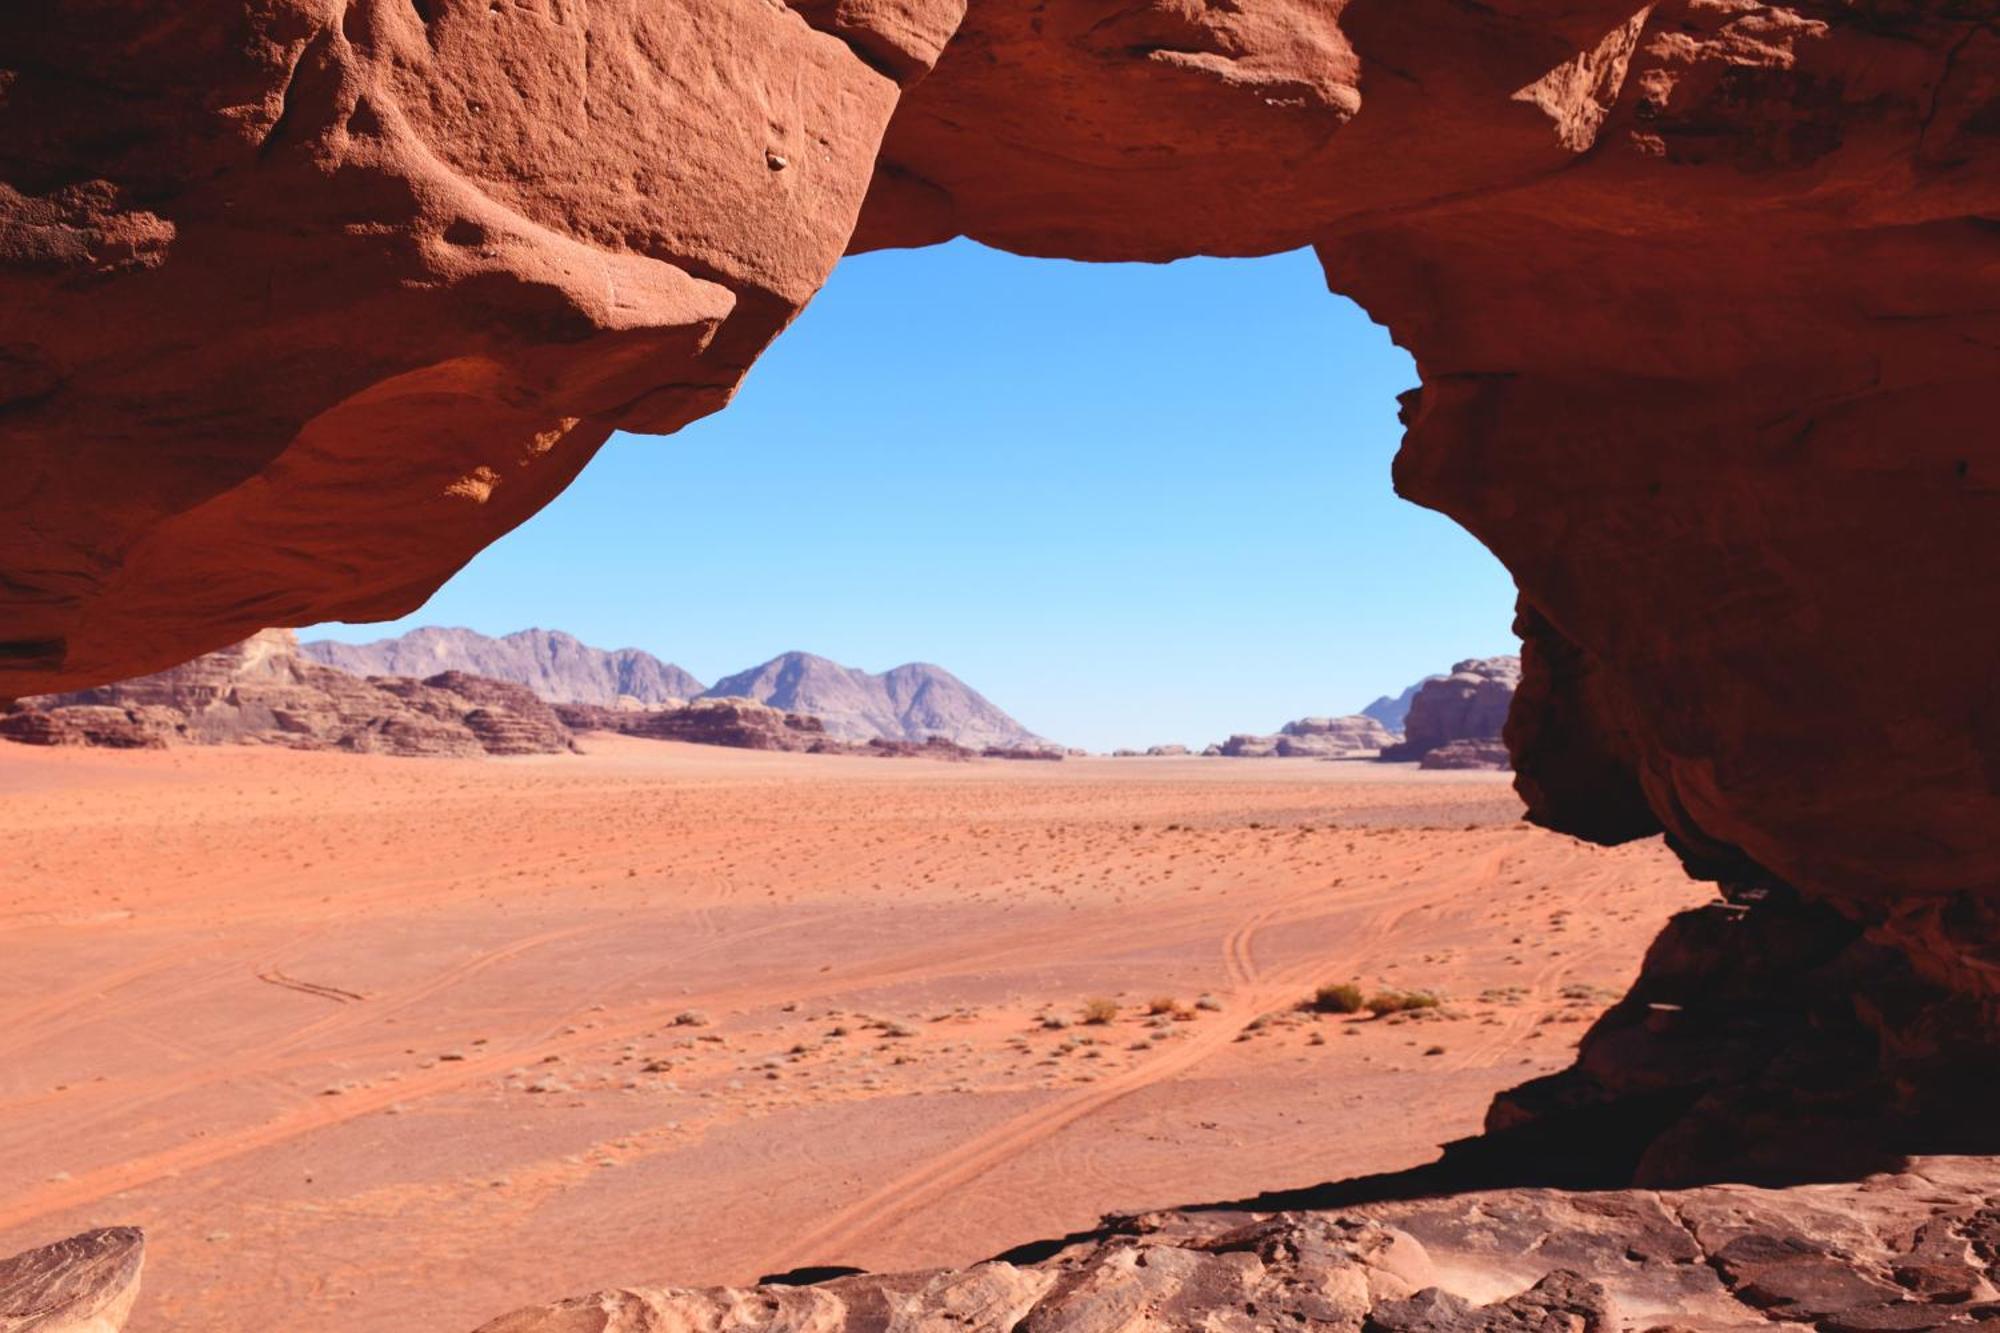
[(264, 691), (1469, 705), (1312, 737)]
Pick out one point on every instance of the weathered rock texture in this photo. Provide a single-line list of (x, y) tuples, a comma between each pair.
[(1910, 1251), (1312, 737), (742, 723), (304, 302), (1470, 704), (556, 666), (1487, 754), (262, 691), (746, 724), (85, 1284)]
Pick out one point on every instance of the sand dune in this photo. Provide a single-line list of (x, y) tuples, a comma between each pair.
[(364, 1042)]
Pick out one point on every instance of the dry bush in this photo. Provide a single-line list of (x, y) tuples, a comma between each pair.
[(1100, 1011), (1338, 998), (1400, 1002)]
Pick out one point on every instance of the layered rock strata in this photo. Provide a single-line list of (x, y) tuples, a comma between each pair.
[(85, 1284), (262, 691), (1469, 705), (1909, 1251)]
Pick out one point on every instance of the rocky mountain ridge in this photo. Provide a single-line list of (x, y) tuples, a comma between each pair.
[(913, 702), (266, 691), (558, 667), (910, 703)]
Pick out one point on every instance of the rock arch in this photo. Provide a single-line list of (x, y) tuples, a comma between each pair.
[(308, 301)]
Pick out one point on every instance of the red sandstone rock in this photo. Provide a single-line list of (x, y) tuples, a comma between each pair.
[(304, 304)]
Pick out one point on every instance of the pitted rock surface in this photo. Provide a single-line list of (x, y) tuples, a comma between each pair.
[(1897, 1251), (85, 1284)]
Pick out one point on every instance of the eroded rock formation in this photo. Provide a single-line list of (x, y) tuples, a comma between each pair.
[(1312, 737), (742, 723), (307, 300), (1904, 1252), (1461, 754), (1468, 705), (263, 691), (85, 1284)]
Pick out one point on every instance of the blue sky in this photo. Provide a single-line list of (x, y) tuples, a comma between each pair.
[(1130, 503)]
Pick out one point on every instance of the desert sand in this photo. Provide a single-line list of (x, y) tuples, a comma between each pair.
[(376, 1044)]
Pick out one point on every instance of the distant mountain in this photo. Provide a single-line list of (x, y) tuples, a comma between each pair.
[(556, 666), (1391, 712), (909, 703)]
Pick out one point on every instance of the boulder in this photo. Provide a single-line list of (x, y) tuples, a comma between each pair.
[(85, 1284)]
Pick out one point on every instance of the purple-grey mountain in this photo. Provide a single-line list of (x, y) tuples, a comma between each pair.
[(556, 666), (1391, 710), (912, 702)]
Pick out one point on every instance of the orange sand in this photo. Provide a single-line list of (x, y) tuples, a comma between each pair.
[(380, 1044)]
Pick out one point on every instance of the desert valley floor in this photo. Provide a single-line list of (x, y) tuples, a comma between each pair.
[(373, 1044)]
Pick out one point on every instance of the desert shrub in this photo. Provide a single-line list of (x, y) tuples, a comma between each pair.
[(1338, 998), (1163, 1004), (1400, 1002), (1100, 1011)]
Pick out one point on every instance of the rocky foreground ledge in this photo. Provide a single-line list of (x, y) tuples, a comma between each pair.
[(1906, 1251), (1895, 1253), (85, 1284)]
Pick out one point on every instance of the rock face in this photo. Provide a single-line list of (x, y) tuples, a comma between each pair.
[(745, 724), (1312, 738), (910, 703), (1908, 1251), (85, 1284), (1470, 704), (1488, 754), (556, 666), (304, 304), (742, 723), (263, 691)]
